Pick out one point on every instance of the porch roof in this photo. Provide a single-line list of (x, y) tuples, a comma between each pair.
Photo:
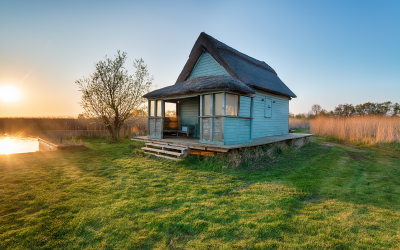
[(202, 84)]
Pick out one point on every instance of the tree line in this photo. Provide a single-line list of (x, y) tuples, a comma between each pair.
[(368, 108)]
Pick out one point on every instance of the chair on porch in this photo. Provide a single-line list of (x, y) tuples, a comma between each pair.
[(186, 129)]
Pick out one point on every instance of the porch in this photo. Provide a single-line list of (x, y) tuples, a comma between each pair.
[(195, 144), (218, 118)]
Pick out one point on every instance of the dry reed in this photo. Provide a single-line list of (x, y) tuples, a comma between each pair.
[(33, 126), (366, 129), (299, 123)]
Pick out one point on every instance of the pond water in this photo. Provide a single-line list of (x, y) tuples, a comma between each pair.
[(12, 145)]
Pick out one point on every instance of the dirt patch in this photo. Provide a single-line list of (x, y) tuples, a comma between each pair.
[(326, 144), (357, 157)]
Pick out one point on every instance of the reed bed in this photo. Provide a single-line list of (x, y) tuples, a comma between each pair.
[(299, 123), (365, 129), (34, 126)]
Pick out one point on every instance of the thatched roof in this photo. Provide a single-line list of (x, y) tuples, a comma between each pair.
[(202, 84), (243, 69)]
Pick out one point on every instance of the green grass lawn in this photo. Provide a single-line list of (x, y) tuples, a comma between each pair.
[(111, 196)]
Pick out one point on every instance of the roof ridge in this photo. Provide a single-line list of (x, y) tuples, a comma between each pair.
[(248, 70)]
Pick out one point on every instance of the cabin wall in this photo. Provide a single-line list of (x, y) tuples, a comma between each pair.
[(236, 130), (278, 123), (207, 65), (244, 106), (188, 111)]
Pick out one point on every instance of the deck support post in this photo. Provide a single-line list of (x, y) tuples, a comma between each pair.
[(223, 113), (201, 118), (252, 117), (212, 118)]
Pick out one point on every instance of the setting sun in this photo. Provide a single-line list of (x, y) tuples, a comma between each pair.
[(9, 93)]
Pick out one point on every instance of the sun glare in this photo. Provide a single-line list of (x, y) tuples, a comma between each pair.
[(9, 93), (6, 146)]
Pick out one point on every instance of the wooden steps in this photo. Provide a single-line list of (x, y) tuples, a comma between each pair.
[(163, 156), (162, 151), (165, 150), (139, 139)]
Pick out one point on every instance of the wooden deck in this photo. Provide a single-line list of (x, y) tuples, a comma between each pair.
[(193, 143)]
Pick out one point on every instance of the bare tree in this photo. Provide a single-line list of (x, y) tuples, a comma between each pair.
[(316, 109), (111, 94)]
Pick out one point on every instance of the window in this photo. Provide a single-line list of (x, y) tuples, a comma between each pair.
[(218, 104), (152, 108), (232, 104), (206, 104), (170, 109), (159, 113)]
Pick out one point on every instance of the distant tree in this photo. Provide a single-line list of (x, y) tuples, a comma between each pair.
[(344, 110), (111, 94), (324, 112), (396, 109), (81, 116), (301, 115), (316, 109), (170, 113), (310, 114), (383, 108), (360, 110), (369, 108)]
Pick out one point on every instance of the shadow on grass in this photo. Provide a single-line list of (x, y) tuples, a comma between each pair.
[(360, 176), (366, 177)]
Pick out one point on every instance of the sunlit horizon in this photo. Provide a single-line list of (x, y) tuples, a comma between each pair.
[(9, 93)]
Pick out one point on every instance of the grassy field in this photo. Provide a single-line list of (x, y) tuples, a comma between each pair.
[(111, 196)]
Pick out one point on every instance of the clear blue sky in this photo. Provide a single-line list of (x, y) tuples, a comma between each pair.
[(327, 52)]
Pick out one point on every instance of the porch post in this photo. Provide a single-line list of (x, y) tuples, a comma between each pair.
[(148, 117), (155, 117), (224, 103), (162, 118)]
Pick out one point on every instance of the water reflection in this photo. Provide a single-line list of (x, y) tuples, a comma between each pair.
[(12, 145)]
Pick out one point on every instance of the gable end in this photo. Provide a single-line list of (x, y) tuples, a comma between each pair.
[(206, 65)]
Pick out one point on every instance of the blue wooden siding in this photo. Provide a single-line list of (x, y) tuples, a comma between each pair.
[(236, 130), (244, 107), (278, 124), (207, 65), (188, 110)]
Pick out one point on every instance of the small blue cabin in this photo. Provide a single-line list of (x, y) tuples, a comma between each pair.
[(221, 97)]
